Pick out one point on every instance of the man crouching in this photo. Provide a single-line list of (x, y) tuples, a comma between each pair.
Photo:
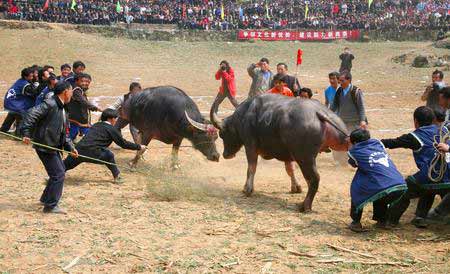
[(376, 181), (96, 142)]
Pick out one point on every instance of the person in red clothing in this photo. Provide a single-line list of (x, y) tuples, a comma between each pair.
[(228, 87), (280, 86), (13, 9), (335, 9)]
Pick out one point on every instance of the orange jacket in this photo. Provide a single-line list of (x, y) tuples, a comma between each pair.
[(286, 91)]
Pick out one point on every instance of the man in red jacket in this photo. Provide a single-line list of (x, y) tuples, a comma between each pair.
[(228, 87)]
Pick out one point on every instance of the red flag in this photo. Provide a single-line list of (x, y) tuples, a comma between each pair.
[(183, 12), (46, 5), (299, 57)]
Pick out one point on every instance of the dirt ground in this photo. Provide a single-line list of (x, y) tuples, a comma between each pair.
[(196, 219)]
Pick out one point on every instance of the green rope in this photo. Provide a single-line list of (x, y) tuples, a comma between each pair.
[(62, 150), (85, 157)]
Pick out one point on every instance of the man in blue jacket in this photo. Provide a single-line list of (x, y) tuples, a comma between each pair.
[(422, 142), (19, 98), (330, 92), (376, 181)]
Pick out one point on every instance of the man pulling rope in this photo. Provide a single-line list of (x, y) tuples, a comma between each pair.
[(47, 123)]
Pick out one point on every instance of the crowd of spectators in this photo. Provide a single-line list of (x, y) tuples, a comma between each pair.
[(234, 14)]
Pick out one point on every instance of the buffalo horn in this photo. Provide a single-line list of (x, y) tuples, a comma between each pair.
[(214, 119), (198, 125)]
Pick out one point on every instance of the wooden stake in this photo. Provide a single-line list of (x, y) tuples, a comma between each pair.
[(302, 254), (72, 264), (362, 262), (351, 251)]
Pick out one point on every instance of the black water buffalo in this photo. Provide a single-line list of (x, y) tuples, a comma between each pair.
[(169, 115), (284, 128)]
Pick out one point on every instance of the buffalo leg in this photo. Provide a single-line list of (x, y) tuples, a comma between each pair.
[(175, 148), (252, 160), (295, 187), (309, 171), (141, 140), (135, 134)]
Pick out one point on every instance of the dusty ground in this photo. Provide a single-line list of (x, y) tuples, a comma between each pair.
[(196, 219)]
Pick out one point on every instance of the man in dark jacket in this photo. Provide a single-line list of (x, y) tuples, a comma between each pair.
[(47, 124), (431, 94), (78, 67), (43, 80), (96, 142), (291, 81), (346, 61), (47, 92), (80, 107)]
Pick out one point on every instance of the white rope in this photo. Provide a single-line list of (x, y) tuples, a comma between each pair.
[(439, 158)]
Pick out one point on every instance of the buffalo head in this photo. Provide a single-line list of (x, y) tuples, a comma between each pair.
[(203, 138), (227, 131)]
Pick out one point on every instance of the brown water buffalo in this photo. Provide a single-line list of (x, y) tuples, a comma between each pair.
[(287, 129)]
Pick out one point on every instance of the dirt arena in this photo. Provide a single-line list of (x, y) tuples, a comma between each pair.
[(197, 220)]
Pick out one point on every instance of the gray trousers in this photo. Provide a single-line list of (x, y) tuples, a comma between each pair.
[(221, 96)]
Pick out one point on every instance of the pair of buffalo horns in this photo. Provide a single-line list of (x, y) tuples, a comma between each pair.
[(217, 123)]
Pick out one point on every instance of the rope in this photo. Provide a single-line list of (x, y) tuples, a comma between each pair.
[(439, 158), (62, 150), (83, 156)]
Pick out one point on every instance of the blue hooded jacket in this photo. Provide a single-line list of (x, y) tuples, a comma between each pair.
[(426, 136), (16, 100), (376, 173)]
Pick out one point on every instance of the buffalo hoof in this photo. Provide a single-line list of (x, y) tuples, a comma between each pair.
[(304, 209), (296, 189), (248, 192), (132, 165)]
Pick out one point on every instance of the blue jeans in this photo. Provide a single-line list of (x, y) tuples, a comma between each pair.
[(75, 130), (54, 166)]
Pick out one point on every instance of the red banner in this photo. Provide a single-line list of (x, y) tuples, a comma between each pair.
[(298, 35)]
